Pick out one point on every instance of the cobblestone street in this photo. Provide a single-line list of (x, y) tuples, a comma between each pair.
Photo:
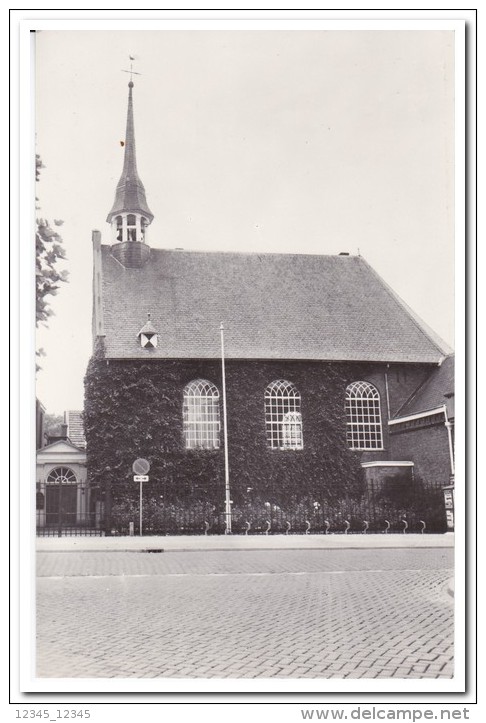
[(245, 614)]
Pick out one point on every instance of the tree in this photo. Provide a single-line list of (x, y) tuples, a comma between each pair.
[(49, 251), (52, 424)]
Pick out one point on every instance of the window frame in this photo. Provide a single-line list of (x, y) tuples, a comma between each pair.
[(201, 418), (281, 399), (364, 425), (62, 474)]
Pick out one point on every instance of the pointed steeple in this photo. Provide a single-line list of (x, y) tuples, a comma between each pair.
[(130, 192)]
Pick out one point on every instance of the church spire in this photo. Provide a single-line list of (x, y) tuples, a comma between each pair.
[(130, 214)]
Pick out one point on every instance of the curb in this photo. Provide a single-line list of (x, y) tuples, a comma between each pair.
[(222, 543)]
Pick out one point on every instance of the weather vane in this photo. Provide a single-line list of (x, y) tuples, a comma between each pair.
[(131, 71)]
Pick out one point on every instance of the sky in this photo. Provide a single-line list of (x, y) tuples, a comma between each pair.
[(288, 141)]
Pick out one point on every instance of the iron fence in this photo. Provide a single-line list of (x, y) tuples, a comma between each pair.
[(422, 512), (419, 510), (68, 524)]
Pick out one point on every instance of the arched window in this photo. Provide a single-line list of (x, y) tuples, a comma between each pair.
[(201, 415), (283, 419), (363, 416), (61, 475)]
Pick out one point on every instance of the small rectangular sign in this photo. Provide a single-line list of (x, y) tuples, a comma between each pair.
[(140, 477)]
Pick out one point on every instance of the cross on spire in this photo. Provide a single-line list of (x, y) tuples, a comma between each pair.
[(131, 71)]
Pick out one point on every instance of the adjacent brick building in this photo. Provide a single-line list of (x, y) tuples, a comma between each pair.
[(423, 428)]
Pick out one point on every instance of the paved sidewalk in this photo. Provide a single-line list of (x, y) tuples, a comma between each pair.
[(243, 542)]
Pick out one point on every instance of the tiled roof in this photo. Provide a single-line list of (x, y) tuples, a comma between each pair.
[(273, 306), (75, 430), (432, 393)]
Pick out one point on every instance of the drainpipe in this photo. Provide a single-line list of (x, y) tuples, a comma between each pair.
[(449, 435), (387, 392)]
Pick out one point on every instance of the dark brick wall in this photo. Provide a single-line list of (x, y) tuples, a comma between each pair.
[(379, 478), (428, 448), (403, 381)]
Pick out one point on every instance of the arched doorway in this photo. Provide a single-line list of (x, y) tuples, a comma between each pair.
[(61, 497)]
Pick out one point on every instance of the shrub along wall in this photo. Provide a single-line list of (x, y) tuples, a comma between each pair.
[(133, 408)]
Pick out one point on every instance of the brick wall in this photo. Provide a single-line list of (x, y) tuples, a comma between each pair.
[(403, 381), (428, 447)]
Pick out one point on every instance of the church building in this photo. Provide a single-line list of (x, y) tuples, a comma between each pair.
[(269, 392)]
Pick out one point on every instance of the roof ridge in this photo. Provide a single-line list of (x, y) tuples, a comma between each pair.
[(61, 441), (244, 253)]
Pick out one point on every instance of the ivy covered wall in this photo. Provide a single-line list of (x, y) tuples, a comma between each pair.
[(133, 408)]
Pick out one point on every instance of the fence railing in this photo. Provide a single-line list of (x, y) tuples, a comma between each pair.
[(365, 515), (421, 513), (68, 524)]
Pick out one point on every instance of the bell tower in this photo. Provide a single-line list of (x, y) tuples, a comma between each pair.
[(130, 215)]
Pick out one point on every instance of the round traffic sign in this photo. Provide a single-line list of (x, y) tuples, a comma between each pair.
[(141, 466)]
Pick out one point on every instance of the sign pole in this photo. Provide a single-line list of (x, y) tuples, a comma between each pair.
[(225, 437), (140, 468)]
